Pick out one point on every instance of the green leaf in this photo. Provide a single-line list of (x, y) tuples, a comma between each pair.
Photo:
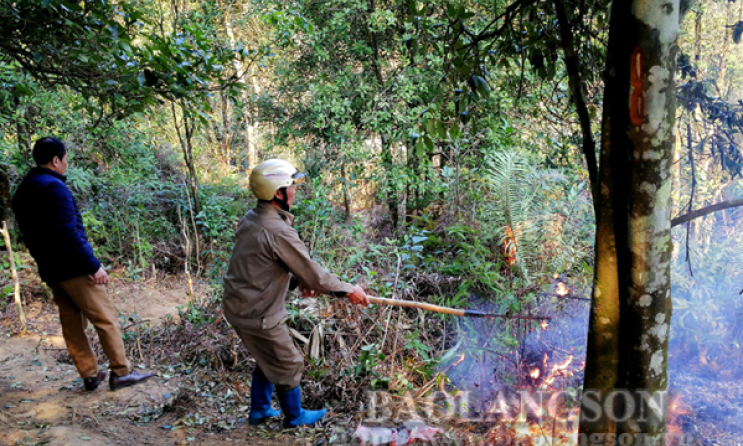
[(420, 148), (440, 130), (454, 130), (430, 126), (418, 239), (178, 89), (451, 10), (428, 142)]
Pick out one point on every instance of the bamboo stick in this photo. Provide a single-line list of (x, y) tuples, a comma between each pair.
[(448, 310), (14, 274)]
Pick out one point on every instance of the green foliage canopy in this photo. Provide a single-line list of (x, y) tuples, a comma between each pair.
[(109, 52)]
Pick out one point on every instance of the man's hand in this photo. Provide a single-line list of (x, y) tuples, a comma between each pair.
[(100, 277), (306, 292), (358, 296)]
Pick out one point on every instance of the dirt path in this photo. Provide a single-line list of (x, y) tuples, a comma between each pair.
[(42, 400)]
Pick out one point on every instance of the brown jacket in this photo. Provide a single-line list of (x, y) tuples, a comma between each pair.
[(267, 251)]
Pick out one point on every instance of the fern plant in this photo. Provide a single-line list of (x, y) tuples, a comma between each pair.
[(517, 196)]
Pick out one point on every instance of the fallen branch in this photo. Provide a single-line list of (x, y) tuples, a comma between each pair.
[(14, 274)]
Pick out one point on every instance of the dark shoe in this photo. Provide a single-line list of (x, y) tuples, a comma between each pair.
[(134, 377), (92, 383), (294, 415), (260, 399)]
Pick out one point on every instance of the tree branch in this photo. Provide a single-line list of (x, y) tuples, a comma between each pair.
[(706, 210), (16, 283), (576, 89), (691, 195)]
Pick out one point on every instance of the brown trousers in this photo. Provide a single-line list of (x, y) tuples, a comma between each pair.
[(275, 353), (81, 300)]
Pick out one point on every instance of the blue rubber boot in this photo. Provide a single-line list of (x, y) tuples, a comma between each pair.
[(260, 399), (294, 415)]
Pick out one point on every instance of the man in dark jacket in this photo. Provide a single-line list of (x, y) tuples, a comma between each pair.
[(53, 231)]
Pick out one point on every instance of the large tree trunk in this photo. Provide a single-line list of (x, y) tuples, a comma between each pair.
[(626, 366)]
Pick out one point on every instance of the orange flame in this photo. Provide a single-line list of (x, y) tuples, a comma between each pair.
[(676, 408), (524, 432), (563, 431), (559, 370), (562, 289)]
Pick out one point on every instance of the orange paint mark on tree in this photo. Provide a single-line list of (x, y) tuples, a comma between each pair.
[(637, 99)]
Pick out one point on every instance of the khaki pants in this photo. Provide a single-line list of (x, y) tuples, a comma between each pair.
[(275, 353), (81, 300)]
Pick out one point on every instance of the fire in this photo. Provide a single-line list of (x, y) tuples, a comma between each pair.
[(558, 370), (676, 408), (553, 420), (562, 289), (545, 324), (563, 432)]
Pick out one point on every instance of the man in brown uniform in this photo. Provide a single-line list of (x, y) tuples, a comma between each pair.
[(268, 254)]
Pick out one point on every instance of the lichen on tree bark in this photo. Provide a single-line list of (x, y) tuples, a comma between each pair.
[(631, 312)]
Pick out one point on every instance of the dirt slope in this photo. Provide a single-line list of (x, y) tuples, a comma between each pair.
[(42, 399)]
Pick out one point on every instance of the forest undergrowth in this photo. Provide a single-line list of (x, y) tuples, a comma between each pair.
[(408, 355), (408, 363), (405, 355)]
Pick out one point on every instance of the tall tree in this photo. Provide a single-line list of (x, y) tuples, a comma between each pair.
[(631, 308), (111, 54)]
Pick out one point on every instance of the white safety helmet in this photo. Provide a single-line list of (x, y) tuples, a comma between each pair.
[(270, 176)]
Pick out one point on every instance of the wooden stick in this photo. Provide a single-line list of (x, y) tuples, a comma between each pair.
[(14, 274), (447, 310)]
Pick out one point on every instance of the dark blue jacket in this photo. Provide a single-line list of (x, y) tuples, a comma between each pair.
[(52, 227)]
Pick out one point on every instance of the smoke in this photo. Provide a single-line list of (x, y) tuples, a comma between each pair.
[(705, 353), (707, 324), (500, 355)]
